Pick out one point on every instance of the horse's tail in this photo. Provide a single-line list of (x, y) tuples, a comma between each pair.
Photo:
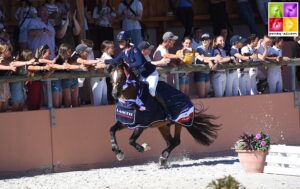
[(203, 130)]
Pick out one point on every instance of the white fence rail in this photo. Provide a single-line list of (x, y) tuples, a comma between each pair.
[(283, 160)]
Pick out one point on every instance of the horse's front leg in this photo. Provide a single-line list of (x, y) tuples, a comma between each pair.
[(115, 148), (135, 135)]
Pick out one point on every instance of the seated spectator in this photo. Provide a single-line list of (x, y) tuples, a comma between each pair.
[(103, 15), (5, 69), (23, 15), (202, 78), (131, 12)]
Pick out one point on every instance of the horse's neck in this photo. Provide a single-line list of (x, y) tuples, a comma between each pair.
[(129, 93)]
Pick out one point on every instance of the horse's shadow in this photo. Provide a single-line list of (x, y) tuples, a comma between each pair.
[(208, 163)]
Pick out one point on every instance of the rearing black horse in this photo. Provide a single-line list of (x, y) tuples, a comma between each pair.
[(137, 110)]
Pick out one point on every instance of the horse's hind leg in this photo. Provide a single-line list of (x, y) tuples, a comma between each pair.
[(115, 148), (173, 142), (135, 135)]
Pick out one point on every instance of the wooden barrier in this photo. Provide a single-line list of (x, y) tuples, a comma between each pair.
[(164, 69)]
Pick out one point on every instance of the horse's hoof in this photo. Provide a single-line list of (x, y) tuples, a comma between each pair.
[(163, 163), (120, 156), (146, 146)]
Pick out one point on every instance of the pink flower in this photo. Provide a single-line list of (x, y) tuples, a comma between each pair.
[(258, 136), (263, 143)]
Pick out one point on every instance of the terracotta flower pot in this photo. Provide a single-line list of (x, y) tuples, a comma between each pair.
[(252, 161)]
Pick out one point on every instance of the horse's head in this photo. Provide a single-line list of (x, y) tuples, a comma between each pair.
[(119, 75)]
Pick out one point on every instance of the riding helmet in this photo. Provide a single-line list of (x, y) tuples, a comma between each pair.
[(123, 36)]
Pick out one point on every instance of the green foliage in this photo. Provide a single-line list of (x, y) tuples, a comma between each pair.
[(260, 141), (228, 182)]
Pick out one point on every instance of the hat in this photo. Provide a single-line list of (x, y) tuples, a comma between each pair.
[(145, 45), (169, 36), (236, 39), (82, 47), (205, 36)]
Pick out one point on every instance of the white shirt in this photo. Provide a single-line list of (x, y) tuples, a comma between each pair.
[(129, 24), (106, 56), (160, 52), (36, 42)]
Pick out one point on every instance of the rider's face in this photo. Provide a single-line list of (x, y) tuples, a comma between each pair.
[(122, 44)]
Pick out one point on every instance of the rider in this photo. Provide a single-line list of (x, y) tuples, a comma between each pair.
[(133, 57)]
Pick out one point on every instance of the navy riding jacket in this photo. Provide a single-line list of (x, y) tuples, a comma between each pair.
[(135, 59)]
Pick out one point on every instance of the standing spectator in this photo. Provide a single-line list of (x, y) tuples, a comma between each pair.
[(262, 6), (232, 79), (99, 86), (2, 15), (68, 30), (35, 88), (162, 50), (219, 16), (189, 55), (41, 32), (53, 12), (274, 72), (296, 54), (206, 57), (226, 35), (219, 76), (63, 7), (103, 15), (242, 76), (184, 13), (146, 50), (131, 12), (5, 68), (196, 40), (250, 50), (23, 15), (17, 88), (246, 15)]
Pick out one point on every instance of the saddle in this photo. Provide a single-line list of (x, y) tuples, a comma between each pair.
[(179, 105)]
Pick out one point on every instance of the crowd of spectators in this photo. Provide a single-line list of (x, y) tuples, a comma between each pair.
[(48, 41)]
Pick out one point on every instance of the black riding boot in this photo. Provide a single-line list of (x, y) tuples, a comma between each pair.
[(162, 102)]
